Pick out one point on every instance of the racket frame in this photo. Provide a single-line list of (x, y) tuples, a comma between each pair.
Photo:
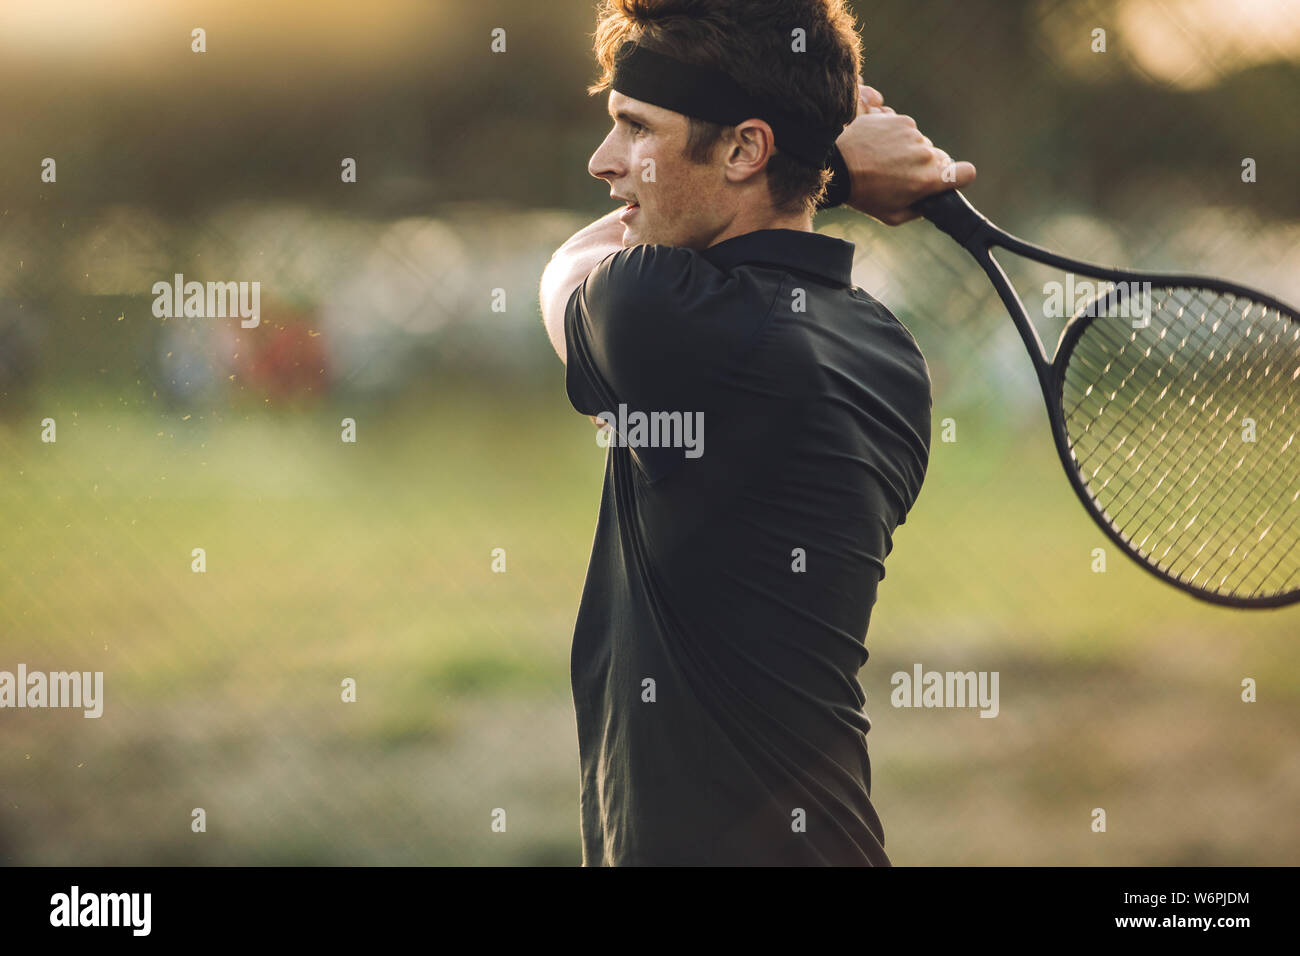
[(951, 213)]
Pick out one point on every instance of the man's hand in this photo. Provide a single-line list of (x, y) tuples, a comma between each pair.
[(892, 164)]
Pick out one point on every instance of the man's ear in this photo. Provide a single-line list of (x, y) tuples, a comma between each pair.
[(749, 148)]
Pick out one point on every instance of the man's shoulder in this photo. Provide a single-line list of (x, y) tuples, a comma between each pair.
[(658, 280), (647, 259), (898, 335)]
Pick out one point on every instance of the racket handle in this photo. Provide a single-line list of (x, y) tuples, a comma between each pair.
[(951, 212)]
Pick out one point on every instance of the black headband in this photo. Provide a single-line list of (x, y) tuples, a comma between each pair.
[(711, 95)]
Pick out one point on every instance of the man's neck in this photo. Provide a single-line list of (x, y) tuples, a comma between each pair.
[(744, 223)]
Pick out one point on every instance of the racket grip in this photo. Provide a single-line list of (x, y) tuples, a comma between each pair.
[(950, 212)]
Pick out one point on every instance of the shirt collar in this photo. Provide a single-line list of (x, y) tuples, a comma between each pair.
[(824, 257)]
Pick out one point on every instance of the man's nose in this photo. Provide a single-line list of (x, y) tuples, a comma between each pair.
[(603, 163)]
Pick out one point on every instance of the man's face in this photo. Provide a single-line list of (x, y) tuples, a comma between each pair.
[(672, 201)]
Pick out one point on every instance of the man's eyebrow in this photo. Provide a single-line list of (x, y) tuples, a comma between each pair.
[(630, 117)]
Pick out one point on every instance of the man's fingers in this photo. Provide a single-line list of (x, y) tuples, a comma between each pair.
[(961, 174), (950, 176), (869, 97), (954, 175)]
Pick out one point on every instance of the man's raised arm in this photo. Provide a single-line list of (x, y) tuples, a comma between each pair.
[(572, 263)]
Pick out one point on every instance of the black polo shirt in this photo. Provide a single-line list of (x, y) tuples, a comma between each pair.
[(734, 567)]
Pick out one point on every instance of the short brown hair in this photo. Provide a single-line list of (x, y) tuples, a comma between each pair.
[(751, 40)]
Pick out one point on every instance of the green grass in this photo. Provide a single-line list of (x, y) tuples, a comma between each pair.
[(373, 561)]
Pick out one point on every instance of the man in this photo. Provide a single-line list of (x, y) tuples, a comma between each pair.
[(734, 567)]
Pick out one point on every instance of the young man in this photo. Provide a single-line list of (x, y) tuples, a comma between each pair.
[(723, 621)]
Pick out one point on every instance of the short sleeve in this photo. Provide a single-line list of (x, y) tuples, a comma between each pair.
[(648, 323)]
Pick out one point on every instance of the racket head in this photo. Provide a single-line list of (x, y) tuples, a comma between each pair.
[(1178, 431), (1173, 551)]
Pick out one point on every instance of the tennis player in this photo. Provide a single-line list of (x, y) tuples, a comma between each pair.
[(768, 426)]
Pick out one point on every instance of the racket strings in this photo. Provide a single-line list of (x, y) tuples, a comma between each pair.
[(1159, 379), (1168, 451), (1155, 418), (1205, 404), (1212, 545), (1180, 458), (1186, 440), (1241, 491), (1182, 372), (1118, 348)]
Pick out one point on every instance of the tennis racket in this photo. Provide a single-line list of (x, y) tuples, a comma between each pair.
[(1174, 402)]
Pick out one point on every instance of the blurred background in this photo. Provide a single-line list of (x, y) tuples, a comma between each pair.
[(374, 561)]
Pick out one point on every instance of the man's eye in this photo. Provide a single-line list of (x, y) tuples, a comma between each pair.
[(637, 128)]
